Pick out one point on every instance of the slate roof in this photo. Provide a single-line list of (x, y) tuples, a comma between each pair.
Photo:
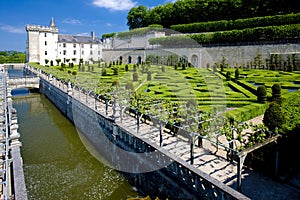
[(78, 39)]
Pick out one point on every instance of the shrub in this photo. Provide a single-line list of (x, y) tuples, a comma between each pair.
[(116, 71), (69, 71), (74, 73), (228, 76), (274, 117), (115, 83), (276, 91), (104, 73), (163, 69), (236, 74), (126, 68), (261, 93), (135, 76)]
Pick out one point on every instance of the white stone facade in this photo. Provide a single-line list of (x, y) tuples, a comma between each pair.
[(45, 44)]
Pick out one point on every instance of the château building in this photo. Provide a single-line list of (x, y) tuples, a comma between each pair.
[(45, 45)]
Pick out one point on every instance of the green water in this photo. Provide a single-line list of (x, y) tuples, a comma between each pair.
[(56, 164)]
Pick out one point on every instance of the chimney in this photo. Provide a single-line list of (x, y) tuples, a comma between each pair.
[(93, 35)]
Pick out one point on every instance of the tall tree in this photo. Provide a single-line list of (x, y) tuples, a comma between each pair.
[(136, 17)]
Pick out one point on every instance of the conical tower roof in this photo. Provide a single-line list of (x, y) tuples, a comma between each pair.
[(52, 24)]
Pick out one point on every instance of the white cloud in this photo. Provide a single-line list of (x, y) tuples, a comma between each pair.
[(115, 5), (12, 29), (170, 1), (83, 34), (71, 21), (109, 24)]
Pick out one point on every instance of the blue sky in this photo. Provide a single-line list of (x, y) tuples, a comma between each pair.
[(76, 17)]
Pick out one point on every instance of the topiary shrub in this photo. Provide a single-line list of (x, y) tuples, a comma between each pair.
[(126, 68), (74, 73), (276, 91), (116, 71), (274, 117), (228, 76), (135, 76), (261, 94), (236, 74)]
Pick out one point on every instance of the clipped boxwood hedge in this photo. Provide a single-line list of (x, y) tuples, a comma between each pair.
[(247, 112), (238, 24)]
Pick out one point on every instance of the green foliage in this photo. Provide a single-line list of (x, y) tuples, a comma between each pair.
[(274, 117), (116, 71), (108, 35), (74, 73), (12, 57), (136, 17), (291, 109), (259, 34), (261, 93), (238, 24), (228, 76), (187, 11), (126, 68), (247, 112), (276, 91), (236, 74)]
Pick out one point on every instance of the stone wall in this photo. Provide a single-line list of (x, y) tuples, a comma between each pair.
[(176, 180), (234, 55)]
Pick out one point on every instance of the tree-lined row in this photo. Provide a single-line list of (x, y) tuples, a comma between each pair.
[(12, 57), (260, 34), (191, 11), (238, 24)]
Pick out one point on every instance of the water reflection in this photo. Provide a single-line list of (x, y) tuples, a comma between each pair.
[(56, 164)]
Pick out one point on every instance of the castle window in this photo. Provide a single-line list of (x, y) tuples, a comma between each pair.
[(82, 52), (99, 53), (91, 52), (64, 45), (45, 34), (74, 45), (91, 46), (64, 52), (82, 45), (74, 52), (45, 43), (46, 53)]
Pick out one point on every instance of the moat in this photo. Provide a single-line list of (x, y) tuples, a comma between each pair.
[(56, 163)]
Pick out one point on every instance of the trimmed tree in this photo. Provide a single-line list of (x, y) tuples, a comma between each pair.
[(236, 74), (274, 117), (276, 91), (261, 94), (228, 76)]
